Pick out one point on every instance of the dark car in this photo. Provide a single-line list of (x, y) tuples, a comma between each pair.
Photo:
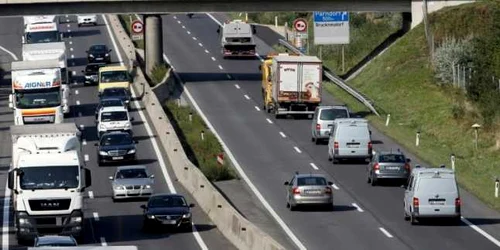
[(169, 210), (108, 102), (116, 147), (91, 71), (116, 93), (99, 53)]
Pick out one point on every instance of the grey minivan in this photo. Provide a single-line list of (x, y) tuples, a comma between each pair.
[(323, 120), (349, 138), (432, 193)]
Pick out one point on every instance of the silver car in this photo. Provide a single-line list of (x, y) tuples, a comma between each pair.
[(309, 189), (323, 120), (55, 241), (388, 165), (132, 182)]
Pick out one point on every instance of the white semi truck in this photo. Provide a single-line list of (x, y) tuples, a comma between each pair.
[(237, 39), (37, 94), (48, 180), (41, 29)]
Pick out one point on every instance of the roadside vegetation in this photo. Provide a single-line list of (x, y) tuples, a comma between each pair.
[(367, 31), (202, 153), (415, 87)]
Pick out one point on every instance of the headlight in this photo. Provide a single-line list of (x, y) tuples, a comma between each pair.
[(103, 153), (90, 55), (132, 151), (23, 221), (127, 101), (127, 125), (106, 54), (76, 219), (119, 188), (150, 216), (188, 215), (146, 186)]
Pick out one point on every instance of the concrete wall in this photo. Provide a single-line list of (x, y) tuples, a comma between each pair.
[(417, 8), (238, 230)]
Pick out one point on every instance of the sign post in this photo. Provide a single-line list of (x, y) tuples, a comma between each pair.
[(300, 27), (137, 30)]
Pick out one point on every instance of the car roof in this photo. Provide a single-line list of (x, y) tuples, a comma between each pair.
[(394, 152), (333, 107), (167, 194), (115, 133), (114, 108), (310, 175), (113, 68), (55, 238), (114, 89), (424, 170), (130, 167)]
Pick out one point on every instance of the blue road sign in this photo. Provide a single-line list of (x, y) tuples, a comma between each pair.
[(331, 16)]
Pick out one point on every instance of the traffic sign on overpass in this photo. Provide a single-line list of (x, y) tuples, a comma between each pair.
[(331, 27), (137, 30)]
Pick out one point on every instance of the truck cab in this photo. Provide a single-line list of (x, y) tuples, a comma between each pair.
[(237, 39), (114, 77), (41, 29)]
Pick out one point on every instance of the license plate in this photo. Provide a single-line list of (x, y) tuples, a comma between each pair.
[(436, 203), (58, 221), (99, 59), (392, 168), (169, 222), (312, 192), (118, 158), (353, 146), (133, 192)]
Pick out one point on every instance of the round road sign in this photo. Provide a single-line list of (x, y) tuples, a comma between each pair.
[(300, 25), (137, 26)]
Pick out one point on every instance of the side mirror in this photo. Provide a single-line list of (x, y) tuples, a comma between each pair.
[(218, 30), (191, 205), (152, 176), (330, 183), (61, 35), (110, 178), (83, 71), (132, 119), (286, 183), (110, 50), (22, 39), (403, 186), (408, 160), (88, 178), (260, 67), (144, 206), (254, 30), (10, 181), (96, 121), (370, 132), (86, 51), (96, 144), (136, 142)]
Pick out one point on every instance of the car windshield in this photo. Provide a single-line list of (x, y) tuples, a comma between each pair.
[(311, 181), (45, 98), (111, 103), (114, 76), (114, 116), (132, 173), (98, 48), (114, 92), (392, 158), (56, 244), (49, 177), (42, 37), (116, 139), (167, 201), (332, 114)]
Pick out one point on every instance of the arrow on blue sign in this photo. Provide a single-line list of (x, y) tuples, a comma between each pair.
[(331, 16)]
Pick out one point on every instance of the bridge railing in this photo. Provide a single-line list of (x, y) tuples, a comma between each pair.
[(337, 81)]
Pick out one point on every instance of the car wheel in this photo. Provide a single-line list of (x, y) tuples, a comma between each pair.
[(292, 207), (413, 220), (317, 141), (368, 179), (407, 217), (374, 182), (313, 139)]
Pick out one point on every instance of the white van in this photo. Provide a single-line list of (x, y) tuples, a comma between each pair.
[(432, 193), (349, 139)]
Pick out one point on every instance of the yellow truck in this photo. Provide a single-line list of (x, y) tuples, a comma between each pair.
[(291, 84), (114, 77)]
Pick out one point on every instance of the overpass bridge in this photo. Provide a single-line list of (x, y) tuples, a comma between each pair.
[(152, 9)]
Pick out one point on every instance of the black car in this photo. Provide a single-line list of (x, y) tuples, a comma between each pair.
[(99, 53), (170, 210), (108, 102), (91, 71), (116, 93), (116, 147)]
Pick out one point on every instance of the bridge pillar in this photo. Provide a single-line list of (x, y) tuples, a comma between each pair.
[(153, 42)]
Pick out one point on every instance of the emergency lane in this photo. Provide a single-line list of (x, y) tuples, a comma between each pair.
[(383, 204), (267, 159), (111, 223)]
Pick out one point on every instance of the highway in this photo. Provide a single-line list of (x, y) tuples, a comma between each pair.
[(269, 151), (108, 223)]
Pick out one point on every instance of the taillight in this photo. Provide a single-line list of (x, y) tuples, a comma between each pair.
[(376, 167), (370, 146), (336, 145), (416, 204), (328, 190), (296, 190), (318, 126), (407, 167), (458, 205)]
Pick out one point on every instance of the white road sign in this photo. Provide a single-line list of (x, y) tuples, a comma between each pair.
[(331, 27), (300, 25)]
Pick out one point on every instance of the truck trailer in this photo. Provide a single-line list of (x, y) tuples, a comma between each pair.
[(237, 39), (48, 179), (291, 84)]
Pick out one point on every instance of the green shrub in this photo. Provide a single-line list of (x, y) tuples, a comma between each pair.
[(158, 73), (203, 153), (452, 52)]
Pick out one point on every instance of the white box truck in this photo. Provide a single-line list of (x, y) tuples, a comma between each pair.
[(237, 39), (48, 179), (37, 95)]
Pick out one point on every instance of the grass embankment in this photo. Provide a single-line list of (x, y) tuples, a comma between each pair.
[(202, 153), (367, 31), (402, 83)]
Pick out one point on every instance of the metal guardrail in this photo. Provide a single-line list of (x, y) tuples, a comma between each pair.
[(337, 80)]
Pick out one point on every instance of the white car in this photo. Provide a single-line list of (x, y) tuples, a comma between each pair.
[(114, 119), (87, 19)]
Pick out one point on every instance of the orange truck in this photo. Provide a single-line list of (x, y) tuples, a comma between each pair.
[(291, 84)]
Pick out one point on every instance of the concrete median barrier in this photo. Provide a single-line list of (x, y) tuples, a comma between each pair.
[(237, 229)]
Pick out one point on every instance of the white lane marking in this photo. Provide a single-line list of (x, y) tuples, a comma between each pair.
[(269, 120), (10, 53), (70, 42), (77, 102), (213, 58), (257, 108), (357, 207), (72, 56), (175, 17), (297, 149), (194, 38), (96, 216), (385, 232), (73, 73), (6, 220), (201, 45), (91, 195), (68, 25), (82, 126), (86, 157), (183, 26), (282, 134), (67, 20), (103, 242), (70, 49), (67, 16), (72, 63), (247, 97), (335, 186), (481, 231), (313, 166), (84, 142), (179, 22), (206, 51), (69, 31), (112, 39), (189, 32), (220, 67), (238, 167), (76, 92), (69, 36), (79, 114), (237, 86)]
